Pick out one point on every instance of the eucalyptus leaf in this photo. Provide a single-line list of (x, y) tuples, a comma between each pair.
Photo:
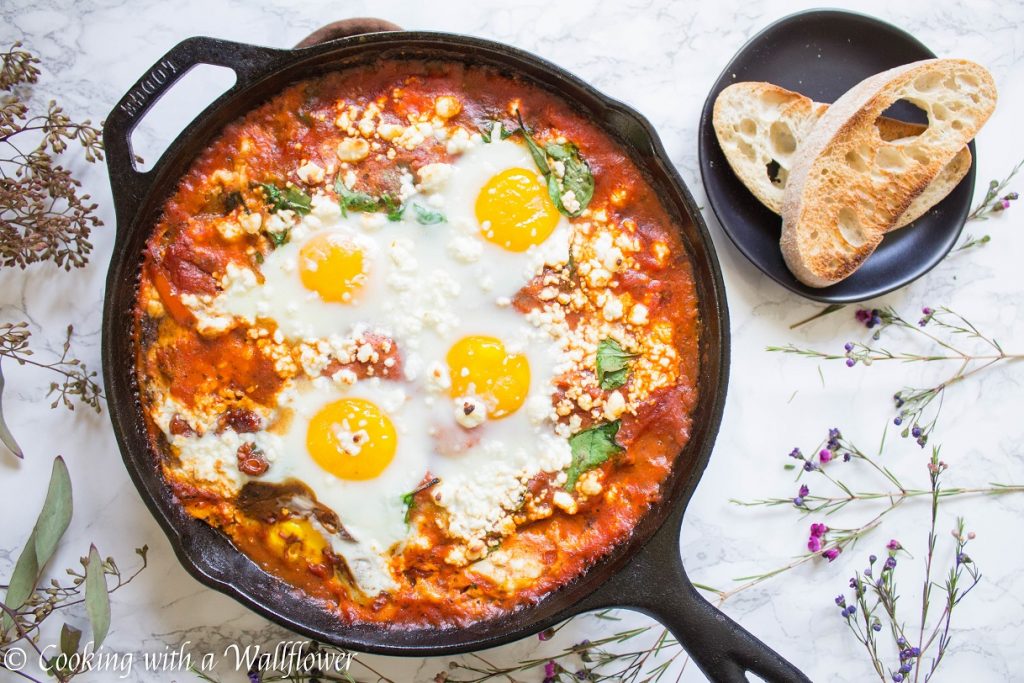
[(5, 433), (97, 599), (70, 638), (590, 448), (50, 526)]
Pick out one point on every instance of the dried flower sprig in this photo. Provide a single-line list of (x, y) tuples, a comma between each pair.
[(990, 205), (829, 542), (876, 598), (77, 381), (918, 408), (28, 602), (588, 660), (43, 217), (993, 203)]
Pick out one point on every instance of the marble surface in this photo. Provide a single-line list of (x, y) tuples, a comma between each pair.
[(660, 57)]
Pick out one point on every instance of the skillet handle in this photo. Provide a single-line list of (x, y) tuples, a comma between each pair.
[(655, 582), (128, 183)]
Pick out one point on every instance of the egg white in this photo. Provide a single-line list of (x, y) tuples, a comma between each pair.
[(427, 287)]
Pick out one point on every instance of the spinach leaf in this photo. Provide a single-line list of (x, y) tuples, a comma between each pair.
[(487, 131), (590, 448), (280, 238), (426, 216), (536, 152), (409, 499), (392, 207), (579, 180), (612, 364), (354, 201), (576, 178), (291, 198)]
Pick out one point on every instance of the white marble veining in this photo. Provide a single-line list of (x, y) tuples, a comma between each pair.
[(660, 57)]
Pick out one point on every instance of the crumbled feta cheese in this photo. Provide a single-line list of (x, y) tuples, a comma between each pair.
[(310, 173), (465, 249), (446, 106), (638, 315), (433, 177), (612, 309), (614, 405), (569, 201), (470, 411), (353, 149)]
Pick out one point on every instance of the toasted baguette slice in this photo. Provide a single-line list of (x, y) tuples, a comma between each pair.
[(848, 187), (761, 127)]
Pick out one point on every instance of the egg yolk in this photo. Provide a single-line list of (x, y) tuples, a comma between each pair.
[(480, 366), (515, 211), (332, 266), (352, 439), (296, 538)]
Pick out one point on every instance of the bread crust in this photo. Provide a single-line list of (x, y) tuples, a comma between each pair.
[(848, 187), (767, 106)]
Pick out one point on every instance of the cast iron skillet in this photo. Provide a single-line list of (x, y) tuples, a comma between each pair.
[(644, 573), (822, 54)]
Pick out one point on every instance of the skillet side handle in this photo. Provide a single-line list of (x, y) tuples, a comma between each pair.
[(346, 28), (128, 183), (655, 582)]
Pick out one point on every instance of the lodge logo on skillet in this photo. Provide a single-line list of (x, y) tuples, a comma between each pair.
[(148, 86)]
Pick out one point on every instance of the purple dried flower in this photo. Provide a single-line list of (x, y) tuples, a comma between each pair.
[(841, 600), (876, 627), (915, 432), (825, 455), (814, 544), (847, 457), (863, 315), (818, 530), (850, 362), (890, 563), (893, 545), (255, 676), (809, 466), (804, 490), (832, 553), (848, 346), (795, 453), (549, 670), (898, 420), (897, 677)]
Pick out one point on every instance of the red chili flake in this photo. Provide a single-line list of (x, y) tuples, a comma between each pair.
[(241, 420), (251, 460), (179, 427)]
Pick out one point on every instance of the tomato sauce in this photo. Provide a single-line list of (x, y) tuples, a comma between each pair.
[(187, 255)]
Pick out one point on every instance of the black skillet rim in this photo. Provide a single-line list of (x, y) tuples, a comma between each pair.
[(651, 158)]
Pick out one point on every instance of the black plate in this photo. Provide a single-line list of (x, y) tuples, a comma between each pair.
[(822, 54)]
